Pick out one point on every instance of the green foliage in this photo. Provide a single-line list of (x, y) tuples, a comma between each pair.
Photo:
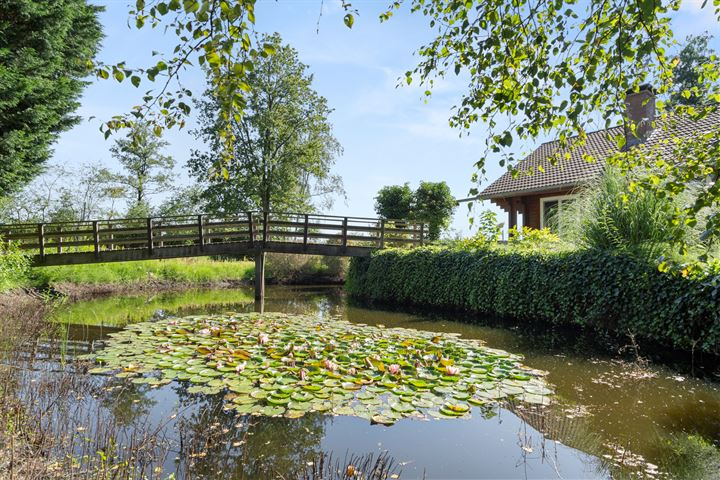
[(283, 145), (289, 268), (688, 88), (184, 201), (394, 202), (45, 48), (678, 168), (213, 35), (195, 270), (533, 240), (14, 266), (147, 170), (432, 202), (488, 227), (609, 216), (556, 67), (691, 457), (62, 194), (548, 65), (592, 289), (380, 374)]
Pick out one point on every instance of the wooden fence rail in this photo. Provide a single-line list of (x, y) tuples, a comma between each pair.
[(195, 235)]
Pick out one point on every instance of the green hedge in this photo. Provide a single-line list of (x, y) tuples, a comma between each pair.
[(586, 288)]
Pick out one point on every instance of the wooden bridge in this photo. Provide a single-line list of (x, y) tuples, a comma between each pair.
[(251, 233)]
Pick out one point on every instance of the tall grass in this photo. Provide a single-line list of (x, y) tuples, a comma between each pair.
[(195, 270), (14, 266), (608, 216)]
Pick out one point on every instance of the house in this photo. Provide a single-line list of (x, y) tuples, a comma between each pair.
[(540, 189)]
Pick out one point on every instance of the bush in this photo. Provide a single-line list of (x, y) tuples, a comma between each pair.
[(592, 289), (14, 265), (609, 216), (289, 268)]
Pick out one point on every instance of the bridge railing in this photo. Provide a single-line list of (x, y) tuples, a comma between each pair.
[(249, 228)]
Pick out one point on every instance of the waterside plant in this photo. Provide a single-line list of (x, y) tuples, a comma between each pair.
[(278, 364)]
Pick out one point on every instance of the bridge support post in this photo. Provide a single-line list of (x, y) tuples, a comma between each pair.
[(259, 276)]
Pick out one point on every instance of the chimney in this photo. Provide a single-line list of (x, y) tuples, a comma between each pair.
[(640, 112)]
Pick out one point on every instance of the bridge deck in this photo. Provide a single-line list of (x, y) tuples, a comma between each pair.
[(121, 240)]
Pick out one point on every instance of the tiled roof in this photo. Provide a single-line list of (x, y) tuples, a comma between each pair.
[(575, 171)]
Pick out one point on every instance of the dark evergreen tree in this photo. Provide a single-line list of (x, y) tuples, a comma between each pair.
[(45, 51)]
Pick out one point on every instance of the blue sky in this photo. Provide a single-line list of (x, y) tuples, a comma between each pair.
[(390, 134)]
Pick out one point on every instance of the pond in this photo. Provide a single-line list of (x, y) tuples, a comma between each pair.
[(611, 417)]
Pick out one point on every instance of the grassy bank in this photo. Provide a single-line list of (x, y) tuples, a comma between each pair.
[(596, 290), (194, 270), (280, 268)]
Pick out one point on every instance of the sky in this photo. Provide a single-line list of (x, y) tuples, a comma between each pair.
[(390, 132)]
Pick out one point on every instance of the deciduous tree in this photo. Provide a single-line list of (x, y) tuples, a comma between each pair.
[(283, 146), (433, 203), (394, 202), (688, 89), (147, 171)]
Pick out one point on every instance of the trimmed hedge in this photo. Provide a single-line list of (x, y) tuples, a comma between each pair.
[(587, 288)]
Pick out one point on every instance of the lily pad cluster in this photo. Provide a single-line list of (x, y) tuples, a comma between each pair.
[(278, 364)]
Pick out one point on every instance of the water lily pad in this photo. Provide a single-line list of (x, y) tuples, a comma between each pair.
[(382, 420), (305, 363)]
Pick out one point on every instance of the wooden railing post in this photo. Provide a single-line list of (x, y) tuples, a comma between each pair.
[(344, 232), (266, 216), (111, 237), (96, 238), (41, 240), (422, 234), (305, 231), (159, 224), (150, 235), (382, 233), (201, 232), (251, 226), (59, 245)]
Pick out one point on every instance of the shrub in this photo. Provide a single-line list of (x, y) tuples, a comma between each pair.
[(289, 268), (589, 288), (14, 265), (609, 216)]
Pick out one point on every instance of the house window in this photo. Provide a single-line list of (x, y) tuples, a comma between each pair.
[(551, 209)]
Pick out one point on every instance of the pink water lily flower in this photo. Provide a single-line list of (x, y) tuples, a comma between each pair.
[(330, 365), (240, 367), (303, 374), (204, 331), (263, 338), (173, 322), (351, 371), (394, 369), (219, 365), (451, 370)]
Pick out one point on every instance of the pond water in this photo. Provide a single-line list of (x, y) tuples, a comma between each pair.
[(612, 417)]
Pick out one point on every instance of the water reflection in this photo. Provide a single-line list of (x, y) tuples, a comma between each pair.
[(611, 411), (219, 444)]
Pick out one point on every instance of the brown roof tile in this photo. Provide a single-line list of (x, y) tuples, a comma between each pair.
[(575, 171)]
